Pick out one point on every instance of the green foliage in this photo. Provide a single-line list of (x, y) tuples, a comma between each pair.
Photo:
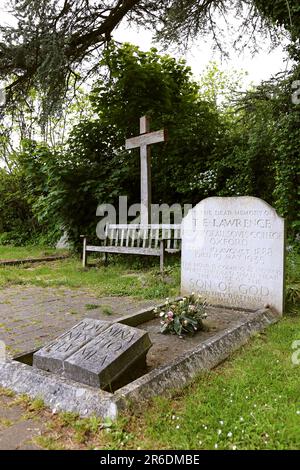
[(49, 38), (216, 147), (67, 187), (292, 306), (283, 13), (17, 222), (259, 152)]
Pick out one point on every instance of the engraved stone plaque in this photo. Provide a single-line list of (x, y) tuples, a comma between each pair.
[(97, 353), (52, 356), (120, 350), (233, 252)]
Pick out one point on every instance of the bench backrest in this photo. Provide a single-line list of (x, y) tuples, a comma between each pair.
[(147, 236)]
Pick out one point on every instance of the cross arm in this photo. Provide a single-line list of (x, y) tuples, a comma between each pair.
[(146, 139)]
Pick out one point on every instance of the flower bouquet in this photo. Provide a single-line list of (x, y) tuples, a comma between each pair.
[(183, 317)]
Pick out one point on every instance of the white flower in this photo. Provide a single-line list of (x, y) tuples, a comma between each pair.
[(298, 412), (216, 446), (177, 427), (233, 447), (173, 417), (221, 422), (162, 314), (219, 432), (229, 434), (241, 419)]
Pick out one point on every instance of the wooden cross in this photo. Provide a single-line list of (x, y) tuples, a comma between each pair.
[(143, 142)]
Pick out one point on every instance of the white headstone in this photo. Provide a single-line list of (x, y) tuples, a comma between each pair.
[(233, 252)]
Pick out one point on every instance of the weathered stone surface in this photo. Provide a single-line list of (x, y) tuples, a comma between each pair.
[(117, 352), (233, 252), (52, 356), (96, 353), (57, 392)]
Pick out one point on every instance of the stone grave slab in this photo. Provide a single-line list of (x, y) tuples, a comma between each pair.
[(233, 253), (120, 350), (97, 353), (52, 356)]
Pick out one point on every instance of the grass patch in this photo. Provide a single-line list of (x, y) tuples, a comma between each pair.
[(5, 423), (6, 393), (8, 252), (92, 306), (107, 310), (144, 281)]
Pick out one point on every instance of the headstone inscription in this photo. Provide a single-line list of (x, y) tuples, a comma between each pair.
[(52, 356), (233, 253), (97, 353)]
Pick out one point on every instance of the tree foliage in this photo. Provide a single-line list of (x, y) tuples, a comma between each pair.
[(55, 41), (96, 169)]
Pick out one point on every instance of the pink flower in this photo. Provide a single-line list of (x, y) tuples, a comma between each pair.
[(170, 315)]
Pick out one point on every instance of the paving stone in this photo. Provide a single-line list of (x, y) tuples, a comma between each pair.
[(31, 317)]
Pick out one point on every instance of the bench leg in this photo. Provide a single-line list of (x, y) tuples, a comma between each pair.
[(105, 259), (162, 256), (84, 254)]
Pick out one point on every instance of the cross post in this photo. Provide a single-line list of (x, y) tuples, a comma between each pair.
[(143, 142)]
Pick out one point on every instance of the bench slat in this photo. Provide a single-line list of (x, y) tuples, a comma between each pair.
[(156, 237), (132, 238), (123, 249)]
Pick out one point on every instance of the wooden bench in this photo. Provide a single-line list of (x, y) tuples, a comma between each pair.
[(150, 240)]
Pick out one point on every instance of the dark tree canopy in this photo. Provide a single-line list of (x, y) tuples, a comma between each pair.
[(56, 41)]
